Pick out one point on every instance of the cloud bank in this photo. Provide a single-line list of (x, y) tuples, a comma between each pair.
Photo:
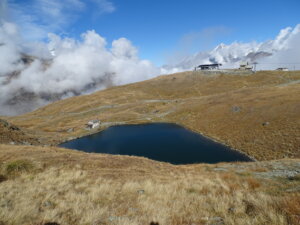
[(35, 74), (38, 66), (71, 68), (283, 51)]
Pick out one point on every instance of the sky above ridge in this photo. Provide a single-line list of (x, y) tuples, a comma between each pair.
[(160, 29)]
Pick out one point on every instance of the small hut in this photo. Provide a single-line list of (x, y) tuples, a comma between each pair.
[(282, 69), (245, 66), (214, 66), (92, 124)]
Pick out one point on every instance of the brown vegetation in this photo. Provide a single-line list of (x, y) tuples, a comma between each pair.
[(11, 134), (257, 114), (48, 185)]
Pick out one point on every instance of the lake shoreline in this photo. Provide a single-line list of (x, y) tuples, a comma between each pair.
[(179, 126)]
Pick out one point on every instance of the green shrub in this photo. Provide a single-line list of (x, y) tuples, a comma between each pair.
[(18, 166)]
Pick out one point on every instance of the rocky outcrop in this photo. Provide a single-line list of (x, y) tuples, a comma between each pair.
[(11, 134)]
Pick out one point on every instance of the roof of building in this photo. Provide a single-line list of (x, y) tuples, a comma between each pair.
[(94, 121), (210, 65)]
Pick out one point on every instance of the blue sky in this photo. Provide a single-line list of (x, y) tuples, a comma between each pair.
[(159, 28)]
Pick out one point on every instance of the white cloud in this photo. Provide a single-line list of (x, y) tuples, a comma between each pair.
[(36, 19), (105, 6), (40, 17), (287, 53), (123, 48), (9, 50), (283, 51), (201, 40), (77, 67)]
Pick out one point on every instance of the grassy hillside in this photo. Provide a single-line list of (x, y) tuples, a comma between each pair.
[(257, 114), (49, 185)]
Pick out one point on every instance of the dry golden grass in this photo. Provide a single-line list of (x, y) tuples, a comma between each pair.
[(228, 108), (40, 185), (48, 184)]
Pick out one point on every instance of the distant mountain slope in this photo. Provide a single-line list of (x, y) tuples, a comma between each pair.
[(281, 51), (228, 55)]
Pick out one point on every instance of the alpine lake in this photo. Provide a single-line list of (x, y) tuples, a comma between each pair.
[(165, 142)]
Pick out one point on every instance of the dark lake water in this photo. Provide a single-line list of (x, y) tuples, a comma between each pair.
[(159, 141)]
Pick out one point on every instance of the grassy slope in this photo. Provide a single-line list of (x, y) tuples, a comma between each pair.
[(49, 184), (39, 185), (203, 103)]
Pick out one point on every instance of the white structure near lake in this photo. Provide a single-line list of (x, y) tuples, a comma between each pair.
[(92, 124)]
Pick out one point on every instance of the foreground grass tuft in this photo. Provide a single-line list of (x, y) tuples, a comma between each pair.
[(18, 166)]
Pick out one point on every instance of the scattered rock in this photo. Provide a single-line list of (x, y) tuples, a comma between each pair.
[(250, 208), (13, 127), (47, 204), (220, 169), (9, 125), (265, 124), (99, 222), (282, 173), (7, 204), (114, 218), (5, 123), (141, 191), (12, 143), (154, 223), (133, 209), (70, 130), (51, 223), (231, 210), (214, 220), (236, 109), (296, 189), (2, 178)]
